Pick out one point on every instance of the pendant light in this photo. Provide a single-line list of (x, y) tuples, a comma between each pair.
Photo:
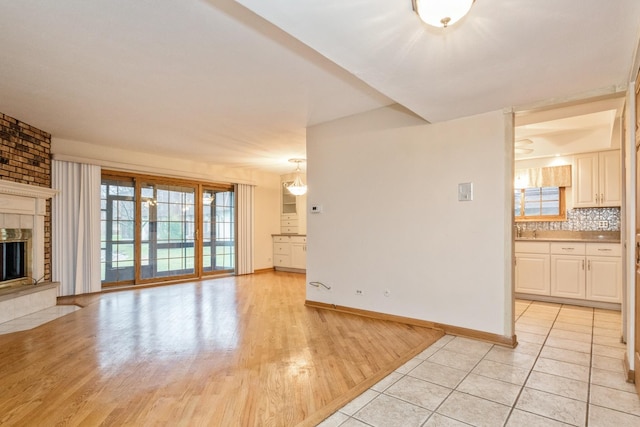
[(297, 187), (441, 13)]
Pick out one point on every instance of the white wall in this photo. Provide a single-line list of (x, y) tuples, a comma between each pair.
[(391, 219), (266, 196)]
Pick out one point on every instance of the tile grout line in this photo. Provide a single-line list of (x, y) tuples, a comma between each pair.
[(593, 321), (532, 366), (456, 387)]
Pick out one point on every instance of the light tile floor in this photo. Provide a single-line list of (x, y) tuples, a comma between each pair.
[(566, 370), (38, 318)]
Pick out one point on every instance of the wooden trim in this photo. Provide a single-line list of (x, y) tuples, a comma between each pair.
[(502, 340), (630, 373), (264, 270), (108, 173), (291, 270)]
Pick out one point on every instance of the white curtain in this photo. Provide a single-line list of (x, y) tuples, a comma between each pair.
[(76, 227), (244, 208)]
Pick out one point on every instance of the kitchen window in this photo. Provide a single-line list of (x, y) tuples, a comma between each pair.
[(539, 204)]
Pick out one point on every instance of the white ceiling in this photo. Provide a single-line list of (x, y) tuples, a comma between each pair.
[(569, 129), (237, 83)]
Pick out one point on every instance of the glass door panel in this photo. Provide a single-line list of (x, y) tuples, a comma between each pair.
[(167, 230), (117, 231), (218, 230)]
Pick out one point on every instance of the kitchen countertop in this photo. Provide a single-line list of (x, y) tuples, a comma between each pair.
[(570, 236)]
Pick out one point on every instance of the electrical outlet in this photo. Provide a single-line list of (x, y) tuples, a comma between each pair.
[(603, 224), (359, 292)]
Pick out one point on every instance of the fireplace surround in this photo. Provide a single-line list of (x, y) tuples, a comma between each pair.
[(22, 210)]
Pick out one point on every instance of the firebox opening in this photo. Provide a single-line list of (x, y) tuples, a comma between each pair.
[(15, 251)]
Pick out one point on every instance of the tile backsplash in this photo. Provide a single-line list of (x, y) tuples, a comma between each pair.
[(583, 219)]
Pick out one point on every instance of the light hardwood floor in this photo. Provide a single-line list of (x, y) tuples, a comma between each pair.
[(236, 351)]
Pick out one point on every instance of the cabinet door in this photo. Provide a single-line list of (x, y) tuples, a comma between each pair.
[(604, 279), (288, 200), (281, 252), (299, 255), (610, 178), (585, 181), (532, 274), (568, 276)]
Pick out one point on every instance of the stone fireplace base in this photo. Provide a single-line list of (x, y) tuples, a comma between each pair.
[(22, 300)]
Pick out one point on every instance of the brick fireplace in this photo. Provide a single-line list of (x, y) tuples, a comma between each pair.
[(25, 193)]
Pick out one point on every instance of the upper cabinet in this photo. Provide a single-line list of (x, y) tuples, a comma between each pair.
[(293, 215), (597, 180)]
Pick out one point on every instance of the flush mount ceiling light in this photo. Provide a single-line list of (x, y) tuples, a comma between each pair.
[(441, 13), (520, 146), (297, 187)]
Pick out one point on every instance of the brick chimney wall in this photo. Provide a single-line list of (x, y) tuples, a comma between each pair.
[(25, 157)]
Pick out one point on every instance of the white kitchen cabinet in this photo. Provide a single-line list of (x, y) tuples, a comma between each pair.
[(597, 180), (580, 271), (293, 215), (532, 274), (604, 273), (568, 269), (299, 254), (567, 276), (290, 253)]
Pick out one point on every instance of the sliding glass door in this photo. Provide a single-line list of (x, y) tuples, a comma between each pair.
[(157, 229), (218, 231), (117, 222), (168, 231)]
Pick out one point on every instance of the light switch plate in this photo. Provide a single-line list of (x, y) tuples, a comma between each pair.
[(465, 192), (315, 209)]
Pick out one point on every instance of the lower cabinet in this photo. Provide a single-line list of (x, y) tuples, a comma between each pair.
[(588, 271), (532, 273), (604, 279), (290, 252), (567, 276)]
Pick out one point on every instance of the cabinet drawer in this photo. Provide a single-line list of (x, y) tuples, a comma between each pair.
[(281, 261), (604, 249), (532, 247), (280, 239), (282, 249), (289, 223), (298, 239), (288, 217), (568, 248), (289, 230)]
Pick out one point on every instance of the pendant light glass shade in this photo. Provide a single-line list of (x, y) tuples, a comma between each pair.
[(442, 13), (297, 187)]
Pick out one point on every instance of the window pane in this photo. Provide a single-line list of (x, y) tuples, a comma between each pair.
[(538, 202), (550, 208), (532, 208), (171, 236), (117, 230), (517, 196), (218, 230)]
